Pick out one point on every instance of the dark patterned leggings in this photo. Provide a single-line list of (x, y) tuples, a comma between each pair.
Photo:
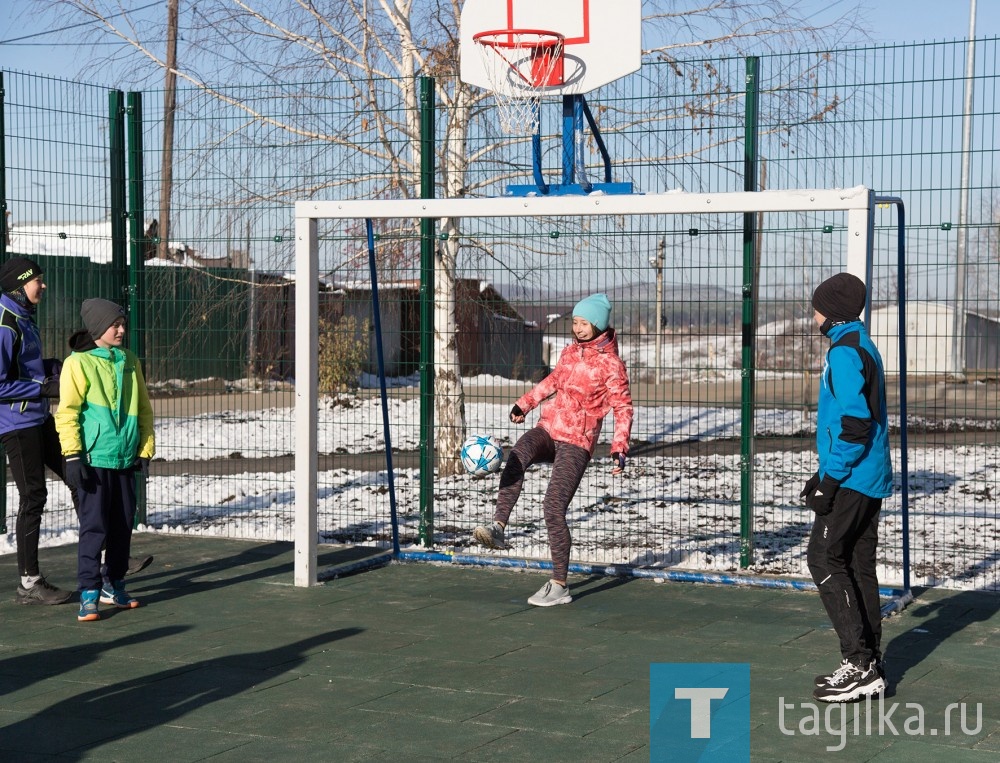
[(568, 464)]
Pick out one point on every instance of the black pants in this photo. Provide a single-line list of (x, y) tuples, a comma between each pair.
[(29, 451), (107, 513), (841, 558)]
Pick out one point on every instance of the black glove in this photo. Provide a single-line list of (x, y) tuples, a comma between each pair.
[(52, 366), (811, 484), (516, 412), (618, 460), (821, 500), (78, 473), (141, 464), (50, 387)]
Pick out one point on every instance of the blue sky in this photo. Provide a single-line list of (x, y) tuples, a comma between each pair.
[(28, 42)]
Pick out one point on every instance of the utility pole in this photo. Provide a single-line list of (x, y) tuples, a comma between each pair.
[(961, 246), (657, 262), (169, 107)]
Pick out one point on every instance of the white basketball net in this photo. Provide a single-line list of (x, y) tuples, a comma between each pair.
[(520, 65)]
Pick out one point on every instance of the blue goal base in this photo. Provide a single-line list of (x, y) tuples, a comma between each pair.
[(570, 189)]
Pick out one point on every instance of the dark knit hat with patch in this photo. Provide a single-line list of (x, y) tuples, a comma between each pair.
[(99, 314), (841, 298), (17, 271)]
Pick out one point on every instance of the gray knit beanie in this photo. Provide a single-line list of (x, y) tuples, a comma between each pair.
[(99, 314)]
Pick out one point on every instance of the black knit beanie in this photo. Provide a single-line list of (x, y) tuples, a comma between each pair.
[(99, 314), (16, 272), (841, 298)]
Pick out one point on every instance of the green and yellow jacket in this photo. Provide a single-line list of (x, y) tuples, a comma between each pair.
[(104, 410)]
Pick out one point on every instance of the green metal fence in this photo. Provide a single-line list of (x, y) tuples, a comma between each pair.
[(216, 308)]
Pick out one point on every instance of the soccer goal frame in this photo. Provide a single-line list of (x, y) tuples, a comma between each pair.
[(858, 203)]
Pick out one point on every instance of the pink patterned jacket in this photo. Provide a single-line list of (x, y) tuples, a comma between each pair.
[(588, 382)]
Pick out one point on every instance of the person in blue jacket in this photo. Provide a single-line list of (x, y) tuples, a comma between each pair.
[(27, 431), (854, 475)]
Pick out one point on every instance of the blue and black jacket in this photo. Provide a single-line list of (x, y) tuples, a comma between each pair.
[(852, 430), (22, 370)]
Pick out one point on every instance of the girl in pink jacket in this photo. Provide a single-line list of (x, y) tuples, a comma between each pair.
[(588, 382)]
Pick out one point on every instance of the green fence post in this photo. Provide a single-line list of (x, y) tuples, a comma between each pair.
[(750, 286), (3, 256), (427, 247), (119, 213), (137, 262)]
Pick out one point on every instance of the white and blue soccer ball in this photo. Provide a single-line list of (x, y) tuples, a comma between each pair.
[(482, 455)]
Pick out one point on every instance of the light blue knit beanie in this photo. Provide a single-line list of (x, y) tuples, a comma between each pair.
[(596, 308)]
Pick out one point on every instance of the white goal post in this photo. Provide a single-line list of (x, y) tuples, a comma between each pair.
[(857, 202)]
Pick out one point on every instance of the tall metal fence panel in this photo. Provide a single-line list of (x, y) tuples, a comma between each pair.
[(219, 302)]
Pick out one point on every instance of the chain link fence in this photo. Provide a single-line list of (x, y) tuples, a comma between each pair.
[(215, 301)]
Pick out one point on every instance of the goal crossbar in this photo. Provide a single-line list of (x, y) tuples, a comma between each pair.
[(857, 202), (843, 199)]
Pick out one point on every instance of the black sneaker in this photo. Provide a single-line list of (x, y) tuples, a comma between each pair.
[(824, 679), (138, 564), (42, 592), (851, 682)]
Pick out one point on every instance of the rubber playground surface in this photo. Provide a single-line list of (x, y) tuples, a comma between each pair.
[(227, 661)]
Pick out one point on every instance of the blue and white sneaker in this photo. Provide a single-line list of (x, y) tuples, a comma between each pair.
[(88, 605), (115, 593)]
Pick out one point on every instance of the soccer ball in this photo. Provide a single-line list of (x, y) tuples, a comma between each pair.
[(482, 455)]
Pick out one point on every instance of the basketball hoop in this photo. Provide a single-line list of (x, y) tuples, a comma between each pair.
[(520, 64)]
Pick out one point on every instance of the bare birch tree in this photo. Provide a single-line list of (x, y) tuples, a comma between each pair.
[(374, 50)]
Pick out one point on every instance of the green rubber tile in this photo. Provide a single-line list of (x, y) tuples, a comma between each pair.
[(315, 694), (440, 704), (459, 676), (653, 647), (531, 656), (632, 695), (630, 731), (58, 731), (461, 646), (990, 739), (571, 718), (269, 750), (533, 746), (183, 743), (335, 662), (408, 736), (918, 751)]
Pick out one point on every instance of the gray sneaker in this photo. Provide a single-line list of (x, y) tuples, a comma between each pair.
[(42, 592), (138, 564), (551, 594), (490, 536)]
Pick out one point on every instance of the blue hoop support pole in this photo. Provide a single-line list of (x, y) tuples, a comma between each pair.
[(904, 464), (377, 317)]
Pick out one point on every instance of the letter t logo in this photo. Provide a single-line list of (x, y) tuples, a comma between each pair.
[(701, 708)]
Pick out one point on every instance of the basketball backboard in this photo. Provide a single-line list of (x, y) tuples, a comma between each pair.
[(602, 41)]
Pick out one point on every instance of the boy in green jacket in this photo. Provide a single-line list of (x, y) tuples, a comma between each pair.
[(105, 426)]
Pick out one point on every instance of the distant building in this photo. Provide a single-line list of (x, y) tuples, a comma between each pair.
[(930, 331), (492, 338)]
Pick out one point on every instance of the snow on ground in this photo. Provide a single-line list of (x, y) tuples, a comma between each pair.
[(663, 511)]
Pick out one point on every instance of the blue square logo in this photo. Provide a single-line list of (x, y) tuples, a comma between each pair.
[(699, 712)]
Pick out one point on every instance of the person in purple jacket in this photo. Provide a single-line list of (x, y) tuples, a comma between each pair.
[(27, 431)]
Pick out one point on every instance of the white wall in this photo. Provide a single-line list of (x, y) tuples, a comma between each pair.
[(929, 331)]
